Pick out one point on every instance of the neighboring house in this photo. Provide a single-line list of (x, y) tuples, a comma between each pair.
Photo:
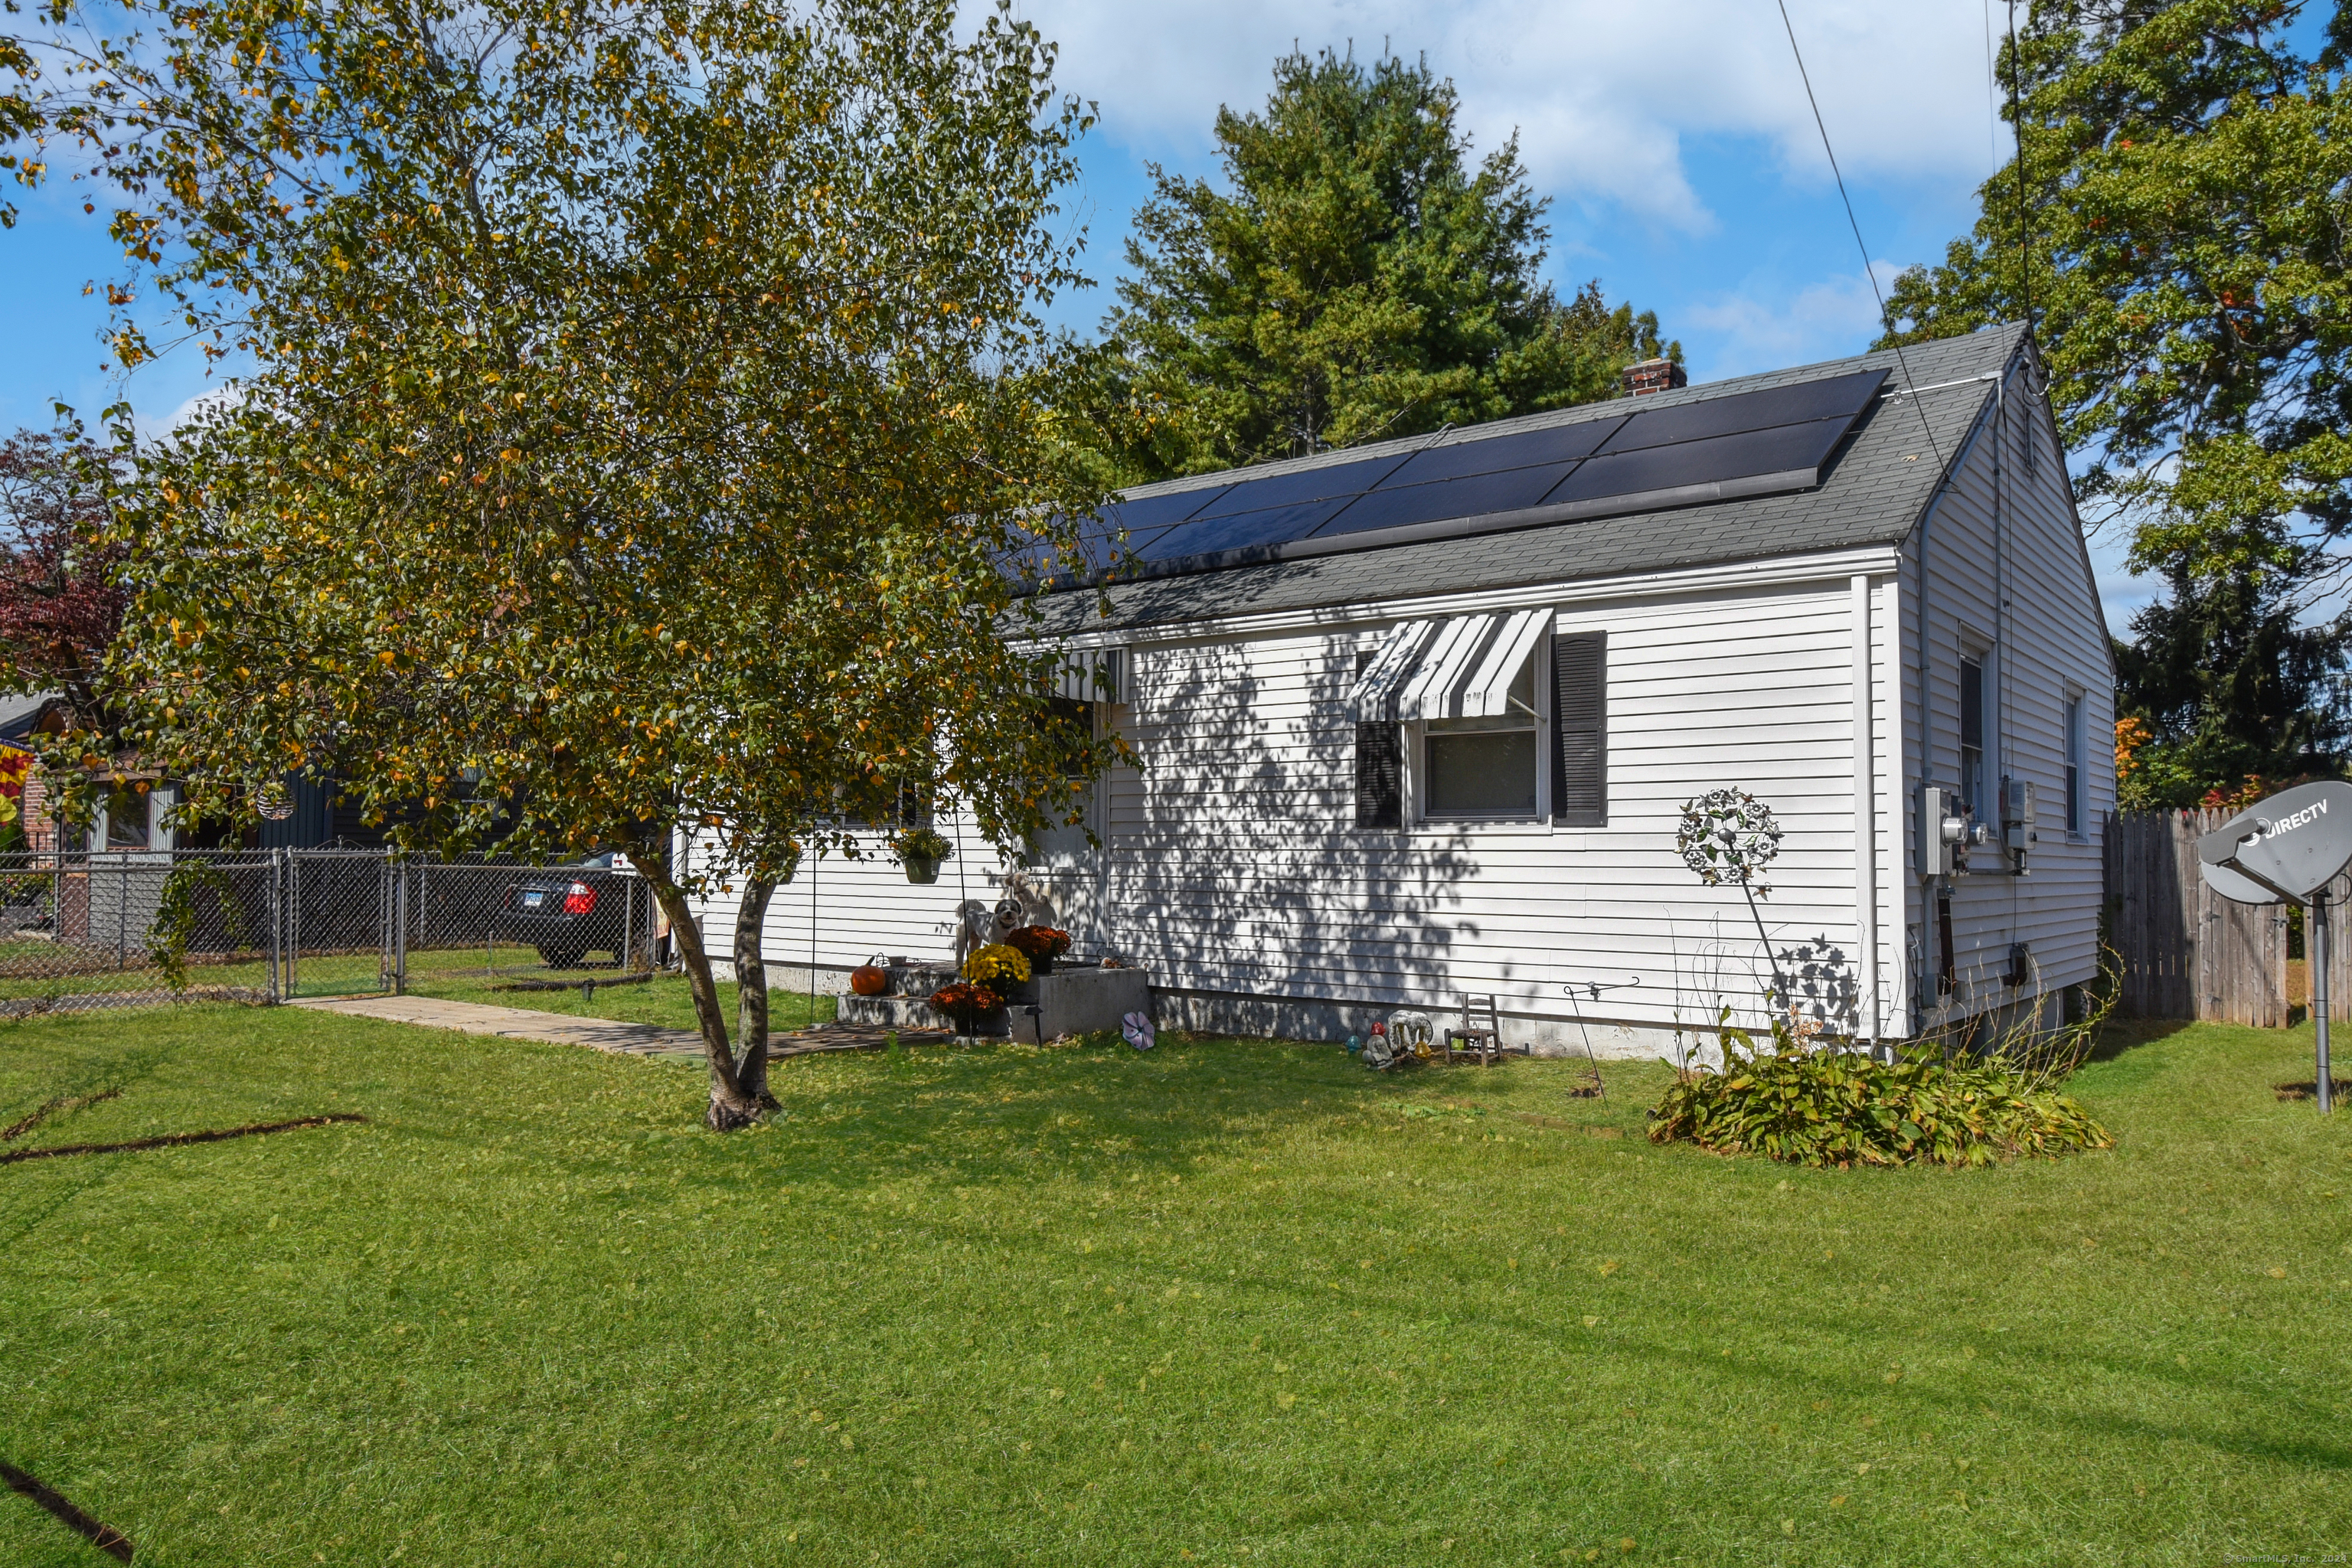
[(1422, 717), (132, 817)]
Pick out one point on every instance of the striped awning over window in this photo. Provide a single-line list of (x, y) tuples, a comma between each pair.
[(1093, 675), (1460, 667)]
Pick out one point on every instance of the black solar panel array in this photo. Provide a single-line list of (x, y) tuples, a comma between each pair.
[(1752, 443)]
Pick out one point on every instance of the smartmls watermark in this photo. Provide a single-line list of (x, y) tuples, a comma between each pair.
[(2288, 1557)]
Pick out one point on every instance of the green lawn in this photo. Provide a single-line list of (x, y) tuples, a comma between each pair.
[(1230, 1303), (663, 1000)]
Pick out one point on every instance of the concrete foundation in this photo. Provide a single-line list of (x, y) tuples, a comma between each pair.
[(1247, 1016), (1308, 1018)]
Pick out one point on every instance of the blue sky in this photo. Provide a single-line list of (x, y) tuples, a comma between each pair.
[(1674, 141)]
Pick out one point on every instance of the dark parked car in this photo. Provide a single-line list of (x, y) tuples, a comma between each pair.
[(570, 912)]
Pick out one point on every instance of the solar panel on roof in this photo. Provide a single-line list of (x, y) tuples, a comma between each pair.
[(1836, 396), (1463, 460), (1158, 511), (1716, 448), (1305, 485), (1750, 454), (1474, 496), (1241, 530)]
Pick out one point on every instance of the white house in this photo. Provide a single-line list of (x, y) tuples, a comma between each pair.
[(1422, 717)]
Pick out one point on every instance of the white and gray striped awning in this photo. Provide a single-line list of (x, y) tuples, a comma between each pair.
[(1460, 667), (1092, 675)]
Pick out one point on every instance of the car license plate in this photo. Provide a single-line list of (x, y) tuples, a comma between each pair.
[(531, 899)]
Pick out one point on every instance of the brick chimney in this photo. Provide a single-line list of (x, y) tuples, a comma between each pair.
[(1651, 375)]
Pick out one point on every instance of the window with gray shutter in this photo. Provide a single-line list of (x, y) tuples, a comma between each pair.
[(1379, 776), (1579, 707)]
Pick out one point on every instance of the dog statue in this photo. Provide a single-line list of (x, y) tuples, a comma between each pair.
[(975, 928), (978, 924), (1029, 904)]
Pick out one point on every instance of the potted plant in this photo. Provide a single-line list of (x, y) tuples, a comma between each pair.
[(966, 1003), (920, 850), (1041, 945), (1002, 968)]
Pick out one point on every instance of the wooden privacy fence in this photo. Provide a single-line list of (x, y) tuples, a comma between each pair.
[(2187, 952)]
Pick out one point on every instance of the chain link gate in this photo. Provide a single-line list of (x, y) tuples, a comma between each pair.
[(81, 931)]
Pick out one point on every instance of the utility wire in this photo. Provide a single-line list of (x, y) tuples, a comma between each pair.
[(2024, 207), (1856, 224)]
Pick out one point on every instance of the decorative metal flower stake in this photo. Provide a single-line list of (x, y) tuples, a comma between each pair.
[(1730, 836)]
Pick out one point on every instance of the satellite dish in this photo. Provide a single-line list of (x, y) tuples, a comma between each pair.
[(2292, 844), (2287, 849), (2230, 885)]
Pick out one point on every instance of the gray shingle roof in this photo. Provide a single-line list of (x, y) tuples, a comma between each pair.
[(1874, 494)]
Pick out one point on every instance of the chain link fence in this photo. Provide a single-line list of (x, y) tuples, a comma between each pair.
[(90, 930)]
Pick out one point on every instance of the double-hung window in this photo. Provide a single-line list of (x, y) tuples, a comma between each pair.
[(1485, 769), (2075, 742), (1973, 796)]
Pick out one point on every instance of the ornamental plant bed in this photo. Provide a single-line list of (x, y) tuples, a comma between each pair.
[(1839, 1108)]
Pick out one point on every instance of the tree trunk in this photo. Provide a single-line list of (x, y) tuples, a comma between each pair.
[(729, 1107), (751, 993)]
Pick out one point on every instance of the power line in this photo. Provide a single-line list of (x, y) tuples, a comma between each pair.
[(1992, 90), (1856, 224), (2024, 208)]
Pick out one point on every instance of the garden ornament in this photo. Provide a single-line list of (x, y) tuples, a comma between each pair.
[(1136, 1028), (1411, 1031), (1031, 904), (1730, 836), (975, 928)]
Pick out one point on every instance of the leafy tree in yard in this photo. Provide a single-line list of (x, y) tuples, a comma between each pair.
[(1359, 281), (60, 606), (642, 399), (2177, 229), (20, 116), (2227, 687)]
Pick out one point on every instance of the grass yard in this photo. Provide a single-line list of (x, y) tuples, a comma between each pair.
[(663, 1000), (1231, 1303)]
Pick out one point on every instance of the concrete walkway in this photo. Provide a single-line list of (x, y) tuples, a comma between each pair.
[(597, 1034)]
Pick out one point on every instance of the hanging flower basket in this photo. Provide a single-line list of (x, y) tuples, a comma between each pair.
[(920, 850)]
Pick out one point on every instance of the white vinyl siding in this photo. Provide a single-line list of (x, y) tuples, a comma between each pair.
[(2053, 641), (1232, 861)]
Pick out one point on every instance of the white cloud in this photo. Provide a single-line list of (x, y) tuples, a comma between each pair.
[(1749, 333), (154, 429), (1603, 93)]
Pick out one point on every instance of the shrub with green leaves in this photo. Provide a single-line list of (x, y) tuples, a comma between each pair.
[(1839, 1108)]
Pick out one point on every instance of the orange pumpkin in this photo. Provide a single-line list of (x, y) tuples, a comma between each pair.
[(869, 980)]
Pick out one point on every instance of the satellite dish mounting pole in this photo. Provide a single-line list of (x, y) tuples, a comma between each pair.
[(2317, 953)]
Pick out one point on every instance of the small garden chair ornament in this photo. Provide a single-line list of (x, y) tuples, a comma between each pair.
[(1480, 1033)]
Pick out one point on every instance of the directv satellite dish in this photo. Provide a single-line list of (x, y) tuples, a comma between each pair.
[(2230, 885), (2293, 844), (2288, 850)]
